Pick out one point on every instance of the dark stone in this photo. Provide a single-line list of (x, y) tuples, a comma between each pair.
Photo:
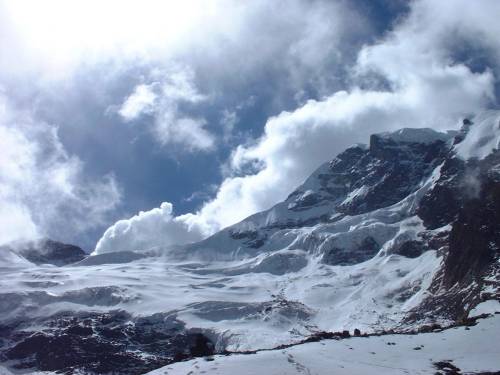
[(410, 249), (79, 330), (357, 332), (200, 346), (343, 257), (448, 367), (345, 334)]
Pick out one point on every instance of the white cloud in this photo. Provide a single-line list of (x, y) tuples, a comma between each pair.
[(188, 132), (157, 227), (230, 41), (141, 101), (424, 87), (43, 191), (229, 119), (161, 99)]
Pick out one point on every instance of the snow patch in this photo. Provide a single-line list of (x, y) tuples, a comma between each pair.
[(487, 307)]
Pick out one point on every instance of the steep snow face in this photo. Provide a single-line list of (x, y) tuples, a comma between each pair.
[(482, 138)]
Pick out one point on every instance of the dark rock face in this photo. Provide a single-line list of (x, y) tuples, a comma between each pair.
[(252, 238), (467, 195), (410, 249), (112, 342), (475, 235), (440, 205), (49, 252), (345, 257), (467, 198), (389, 171)]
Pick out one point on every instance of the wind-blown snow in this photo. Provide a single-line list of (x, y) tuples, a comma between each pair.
[(482, 138)]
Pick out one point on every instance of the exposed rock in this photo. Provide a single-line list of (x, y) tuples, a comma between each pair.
[(343, 257), (410, 249), (103, 343)]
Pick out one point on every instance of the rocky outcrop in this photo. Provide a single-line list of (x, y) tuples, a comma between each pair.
[(466, 198), (102, 343)]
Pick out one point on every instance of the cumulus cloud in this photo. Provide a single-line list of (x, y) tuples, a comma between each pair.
[(162, 99), (410, 78), (147, 230), (43, 190)]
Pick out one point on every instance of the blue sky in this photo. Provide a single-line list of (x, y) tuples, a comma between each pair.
[(214, 107)]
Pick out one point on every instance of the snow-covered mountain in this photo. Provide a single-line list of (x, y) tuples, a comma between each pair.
[(400, 234), (44, 251)]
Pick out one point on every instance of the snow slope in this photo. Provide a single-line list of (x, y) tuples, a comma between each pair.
[(470, 350)]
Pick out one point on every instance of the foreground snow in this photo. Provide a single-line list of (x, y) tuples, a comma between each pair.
[(472, 350)]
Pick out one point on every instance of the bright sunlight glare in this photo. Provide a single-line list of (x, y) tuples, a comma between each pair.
[(65, 30)]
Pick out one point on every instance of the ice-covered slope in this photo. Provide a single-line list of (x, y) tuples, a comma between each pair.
[(454, 351), (393, 235)]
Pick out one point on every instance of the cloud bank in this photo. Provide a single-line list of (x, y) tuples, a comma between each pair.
[(410, 78), (147, 230), (43, 191)]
